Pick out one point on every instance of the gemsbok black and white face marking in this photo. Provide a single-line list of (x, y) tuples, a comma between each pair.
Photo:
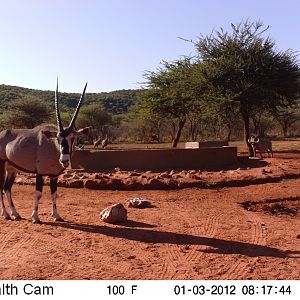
[(254, 139), (67, 137), (66, 141)]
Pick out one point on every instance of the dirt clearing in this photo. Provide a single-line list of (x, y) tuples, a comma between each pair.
[(189, 234)]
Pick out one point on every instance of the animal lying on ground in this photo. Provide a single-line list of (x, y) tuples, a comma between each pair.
[(44, 150), (261, 145)]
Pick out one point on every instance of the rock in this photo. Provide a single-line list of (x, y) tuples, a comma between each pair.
[(94, 184), (115, 184), (264, 171), (134, 174), (74, 183), (172, 172), (96, 176), (114, 214), (187, 184), (154, 184), (19, 181), (165, 175), (66, 175), (132, 184), (193, 172), (138, 203)]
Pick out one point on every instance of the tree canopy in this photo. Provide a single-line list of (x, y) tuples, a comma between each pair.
[(27, 112), (244, 66), (95, 116)]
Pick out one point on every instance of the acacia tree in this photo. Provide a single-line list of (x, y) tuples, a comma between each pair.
[(286, 118), (26, 112), (171, 92), (95, 116), (143, 124), (244, 66)]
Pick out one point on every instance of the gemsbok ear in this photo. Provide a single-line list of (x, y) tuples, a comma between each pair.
[(82, 131), (49, 134)]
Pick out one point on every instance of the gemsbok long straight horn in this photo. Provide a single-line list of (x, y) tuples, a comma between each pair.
[(45, 150), (72, 123), (57, 113)]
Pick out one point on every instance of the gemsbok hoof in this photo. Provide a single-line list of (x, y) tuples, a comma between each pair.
[(7, 217), (18, 218), (60, 219), (37, 221)]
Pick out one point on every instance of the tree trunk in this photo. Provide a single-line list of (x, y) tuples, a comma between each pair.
[(246, 118), (285, 128), (228, 132), (255, 125), (178, 133), (193, 134)]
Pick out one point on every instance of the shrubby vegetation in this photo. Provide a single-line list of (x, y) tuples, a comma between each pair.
[(26, 112), (237, 84)]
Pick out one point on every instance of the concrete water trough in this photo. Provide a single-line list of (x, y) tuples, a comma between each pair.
[(154, 159)]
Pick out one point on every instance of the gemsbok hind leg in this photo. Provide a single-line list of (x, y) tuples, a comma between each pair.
[(53, 188), (4, 212), (39, 183), (10, 178)]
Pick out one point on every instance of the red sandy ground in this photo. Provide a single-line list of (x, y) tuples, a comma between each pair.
[(191, 233)]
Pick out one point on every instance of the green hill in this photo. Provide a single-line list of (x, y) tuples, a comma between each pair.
[(115, 102)]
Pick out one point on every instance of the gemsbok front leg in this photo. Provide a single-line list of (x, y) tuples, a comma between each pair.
[(10, 178), (39, 182), (53, 188), (4, 212)]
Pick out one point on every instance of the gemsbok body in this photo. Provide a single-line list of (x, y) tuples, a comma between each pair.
[(44, 150), (261, 145)]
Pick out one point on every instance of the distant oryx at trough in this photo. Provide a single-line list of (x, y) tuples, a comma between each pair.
[(261, 145), (103, 142), (44, 150)]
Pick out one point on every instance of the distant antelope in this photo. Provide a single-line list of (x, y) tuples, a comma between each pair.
[(97, 142), (103, 143), (261, 145), (44, 150)]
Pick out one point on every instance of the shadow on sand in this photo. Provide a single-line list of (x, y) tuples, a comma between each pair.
[(134, 232)]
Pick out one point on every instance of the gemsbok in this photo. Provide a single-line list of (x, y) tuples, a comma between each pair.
[(261, 145), (44, 150), (103, 142)]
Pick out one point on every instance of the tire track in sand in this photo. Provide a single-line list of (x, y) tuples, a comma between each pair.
[(180, 259), (239, 269), (21, 249), (4, 240)]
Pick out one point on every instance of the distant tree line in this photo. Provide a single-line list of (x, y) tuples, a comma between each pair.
[(238, 83)]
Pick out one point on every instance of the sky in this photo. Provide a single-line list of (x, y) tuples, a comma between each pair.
[(111, 44)]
